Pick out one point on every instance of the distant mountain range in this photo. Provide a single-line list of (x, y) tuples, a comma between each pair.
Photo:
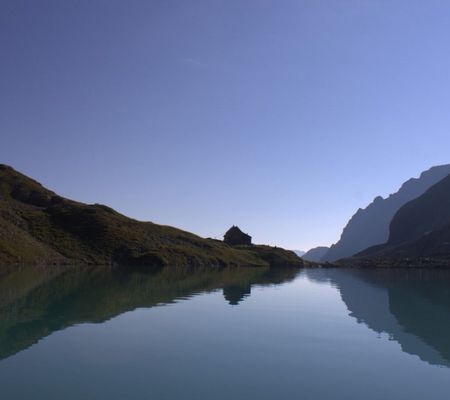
[(316, 254), (39, 227), (370, 226)]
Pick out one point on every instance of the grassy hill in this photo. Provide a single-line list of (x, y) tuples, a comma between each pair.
[(39, 227)]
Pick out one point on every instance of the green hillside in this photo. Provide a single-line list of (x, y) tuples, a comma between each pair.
[(39, 227)]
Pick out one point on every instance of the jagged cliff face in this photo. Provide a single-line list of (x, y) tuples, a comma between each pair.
[(370, 226), (419, 230)]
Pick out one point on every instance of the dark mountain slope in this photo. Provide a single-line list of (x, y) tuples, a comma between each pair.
[(38, 226), (419, 231), (370, 226), (427, 213)]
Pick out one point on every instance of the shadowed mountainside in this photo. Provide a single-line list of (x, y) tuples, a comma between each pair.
[(39, 227), (419, 232), (370, 226), (36, 301), (427, 213)]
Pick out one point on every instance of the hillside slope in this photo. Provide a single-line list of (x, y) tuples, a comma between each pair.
[(39, 227)]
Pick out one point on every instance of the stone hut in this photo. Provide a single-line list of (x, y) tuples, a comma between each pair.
[(235, 236)]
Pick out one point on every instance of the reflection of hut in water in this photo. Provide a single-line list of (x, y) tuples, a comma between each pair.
[(234, 294), (235, 236)]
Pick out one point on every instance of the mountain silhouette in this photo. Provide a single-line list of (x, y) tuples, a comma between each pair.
[(370, 226), (419, 231)]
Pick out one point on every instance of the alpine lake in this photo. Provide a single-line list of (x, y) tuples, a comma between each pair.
[(100, 333)]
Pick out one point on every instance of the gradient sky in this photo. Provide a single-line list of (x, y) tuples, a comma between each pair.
[(282, 117)]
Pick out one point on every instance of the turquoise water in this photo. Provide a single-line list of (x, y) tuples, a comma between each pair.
[(92, 333)]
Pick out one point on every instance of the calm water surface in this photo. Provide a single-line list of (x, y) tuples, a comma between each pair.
[(92, 333)]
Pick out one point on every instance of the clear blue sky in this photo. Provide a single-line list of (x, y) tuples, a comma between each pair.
[(282, 117)]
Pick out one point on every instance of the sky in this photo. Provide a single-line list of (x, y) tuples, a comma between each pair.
[(282, 117)]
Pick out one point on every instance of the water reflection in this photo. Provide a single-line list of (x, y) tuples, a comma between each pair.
[(411, 306), (234, 294), (34, 302)]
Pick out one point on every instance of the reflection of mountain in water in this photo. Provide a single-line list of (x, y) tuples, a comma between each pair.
[(411, 306), (34, 302)]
